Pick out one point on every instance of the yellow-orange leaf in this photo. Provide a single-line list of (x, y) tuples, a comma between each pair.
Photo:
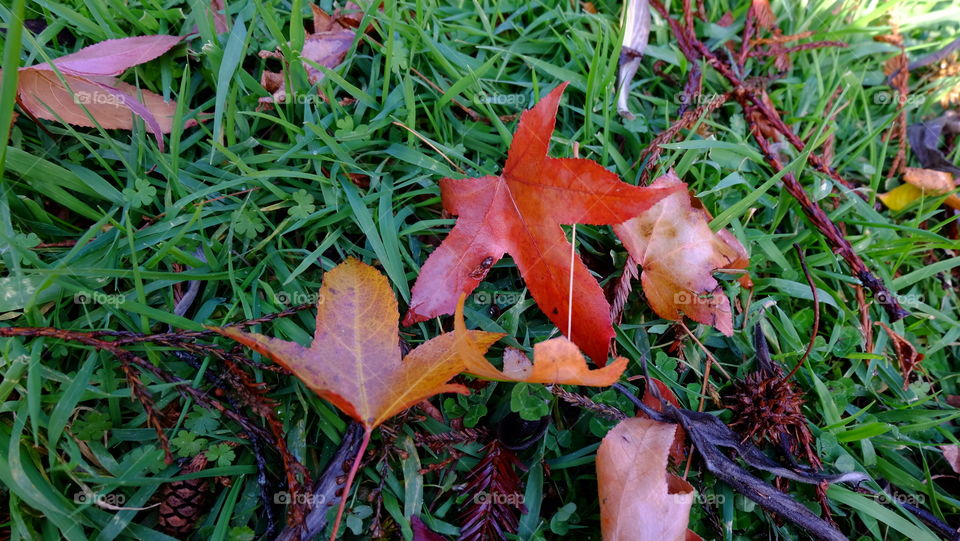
[(555, 361), (679, 253), (639, 499), (354, 360), (920, 182)]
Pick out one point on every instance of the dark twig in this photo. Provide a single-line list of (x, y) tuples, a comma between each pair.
[(832, 233), (328, 488)]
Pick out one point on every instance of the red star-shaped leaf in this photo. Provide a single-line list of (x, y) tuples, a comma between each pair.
[(520, 213)]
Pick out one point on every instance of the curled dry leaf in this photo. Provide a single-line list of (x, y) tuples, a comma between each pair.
[(326, 46), (907, 356), (354, 360), (679, 253), (555, 361), (636, 33), (921, 182), (89, 82), (520, 212), (639, 499)]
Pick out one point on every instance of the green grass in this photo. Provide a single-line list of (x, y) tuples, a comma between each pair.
[(264, 195)]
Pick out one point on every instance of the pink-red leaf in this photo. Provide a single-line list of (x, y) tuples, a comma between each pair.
[(112, 57), (86, 93)]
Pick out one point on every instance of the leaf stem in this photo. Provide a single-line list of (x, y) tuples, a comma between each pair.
[(367, 431)]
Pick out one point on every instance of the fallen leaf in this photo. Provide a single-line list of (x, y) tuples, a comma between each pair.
[(924, 140), (555, 361), (907, 356), (639, 499), (921, 182), (89, 81), (679, 254), (326, 46), (422, 533), (520, 212), (355, 361), (952, 455)]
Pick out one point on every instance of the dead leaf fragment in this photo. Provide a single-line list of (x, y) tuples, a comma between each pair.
[(679, 254), (952, 455), (654, 399), (907, 354), (326, 46), (422, 533), (555, 361), (218, 9), (639, 499)]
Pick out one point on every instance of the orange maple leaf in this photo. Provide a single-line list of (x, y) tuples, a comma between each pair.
[(520, 212), (354, 360)]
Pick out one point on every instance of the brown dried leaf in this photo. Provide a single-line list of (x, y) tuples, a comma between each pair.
[(907, 354), (673, 243), (639, 499), (326, 46)]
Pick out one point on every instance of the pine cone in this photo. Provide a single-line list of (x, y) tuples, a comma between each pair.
[(183, 503)]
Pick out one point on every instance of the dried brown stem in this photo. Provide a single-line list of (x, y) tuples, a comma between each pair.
[(584, 402)]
